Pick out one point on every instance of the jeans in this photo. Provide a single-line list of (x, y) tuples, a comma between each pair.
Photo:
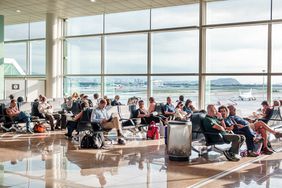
[(249, 134), (24, 118), (236, 142), (71, 126)]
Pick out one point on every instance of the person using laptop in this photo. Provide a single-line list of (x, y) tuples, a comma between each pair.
[(100, 115)]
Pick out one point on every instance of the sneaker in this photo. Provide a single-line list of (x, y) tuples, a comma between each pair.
[(267, 151), (230, 156), (227, 155), (234, 158), (121, 141), (252, 154)]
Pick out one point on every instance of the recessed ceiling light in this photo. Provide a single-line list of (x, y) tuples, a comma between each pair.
[(93, 1), (18, 11)]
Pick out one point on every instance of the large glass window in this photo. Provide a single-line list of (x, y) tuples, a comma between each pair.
[(177, 16), (277, 9), (173, 86), (277, 48), (276, 87), (15, 58), (126, 54), (245, 92), (37, 57), (83, 84), (37, 30), (16, 32), (237, 11), (126, 87), (85, 25), (237, 49), (84, 55), (175, 52), (127, 21)]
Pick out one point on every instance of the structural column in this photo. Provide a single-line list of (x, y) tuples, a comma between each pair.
[(202, 55), (54, 60), (1, 57)]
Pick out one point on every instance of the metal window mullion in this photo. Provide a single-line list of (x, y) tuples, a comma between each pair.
[(269, 64), (102, 65), (149, 67), (103, 57), (27, 69)]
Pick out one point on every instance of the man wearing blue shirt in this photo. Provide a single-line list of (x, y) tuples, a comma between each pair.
[(169, 109), (101, 116), (239, 127)]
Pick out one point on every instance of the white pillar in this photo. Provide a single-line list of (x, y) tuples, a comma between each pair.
[(1, 57), (54, 60), (202, 56)]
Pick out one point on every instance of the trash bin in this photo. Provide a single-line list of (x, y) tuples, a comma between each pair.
[(179, 139)]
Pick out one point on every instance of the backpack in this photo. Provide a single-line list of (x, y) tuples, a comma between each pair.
[(153, 131), (98, 140), (87, 141), (39, 128)]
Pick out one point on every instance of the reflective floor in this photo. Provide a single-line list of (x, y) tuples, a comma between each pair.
[(49, 160)]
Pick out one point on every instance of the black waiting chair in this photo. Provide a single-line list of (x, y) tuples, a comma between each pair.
[(212, 139), (8, 123)]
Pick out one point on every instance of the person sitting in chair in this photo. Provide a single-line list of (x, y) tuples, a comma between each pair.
[(81, 121), (214, 122), (14, 113), (47, 110), (180, 114), (169, 109), (100, 115), (238, 128), (146, 117), (259, 126), (266, 112), (188, 107), (116, 101)]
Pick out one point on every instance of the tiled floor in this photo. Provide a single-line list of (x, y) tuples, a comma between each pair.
[(49, 160)]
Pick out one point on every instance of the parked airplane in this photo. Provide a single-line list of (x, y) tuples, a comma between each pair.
[(247, 96)]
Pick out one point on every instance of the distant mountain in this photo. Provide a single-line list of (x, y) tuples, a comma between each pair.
[(225, 81)]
